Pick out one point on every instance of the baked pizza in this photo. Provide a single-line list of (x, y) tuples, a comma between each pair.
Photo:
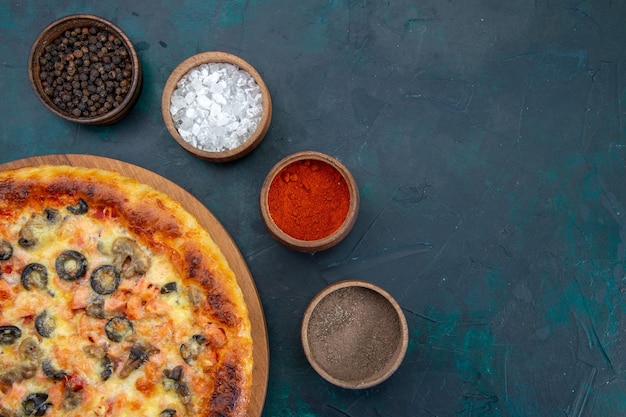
[(114, 301)]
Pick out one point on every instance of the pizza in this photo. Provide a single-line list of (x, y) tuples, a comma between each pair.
[(114, 301)]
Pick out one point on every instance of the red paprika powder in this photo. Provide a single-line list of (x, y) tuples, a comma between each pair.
[(308, 199)]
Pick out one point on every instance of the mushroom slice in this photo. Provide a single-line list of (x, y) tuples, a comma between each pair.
[(129, 258), (36, 226), (139, 354), (29, 349)]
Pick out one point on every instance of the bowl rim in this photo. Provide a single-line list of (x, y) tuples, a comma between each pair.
[(59, 24), (325, 242), (400, 353), (217, 57)]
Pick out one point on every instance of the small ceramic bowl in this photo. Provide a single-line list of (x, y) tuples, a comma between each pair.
[(36, 66), (216, 57), (354, 334), (271, 202)]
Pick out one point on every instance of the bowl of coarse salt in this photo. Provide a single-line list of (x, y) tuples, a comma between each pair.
[(216, 106)]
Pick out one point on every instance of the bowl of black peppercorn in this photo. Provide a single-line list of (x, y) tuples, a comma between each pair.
[(85, 69)]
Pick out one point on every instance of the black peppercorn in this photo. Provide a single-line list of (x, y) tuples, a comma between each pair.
[(86, 64)]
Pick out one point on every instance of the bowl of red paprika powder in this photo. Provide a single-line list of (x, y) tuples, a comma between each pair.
[(309, 201)]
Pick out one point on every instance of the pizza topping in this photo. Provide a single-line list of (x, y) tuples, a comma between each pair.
[(9, 334), (195, 295), (129, 258), (169, 288), (73, 394), (71, 265), (105, 362), (105, 279), (80, 207), (26, 366), (95, 351), (45, 324), (191, 350), (35, 275), (118, 328), (174, 374), (36, 226), (36, 404), (139, 355), (174, 380), (168, 412), (95, 308), (29, 349), (106, 366), (18, 373), (51, 372), (6, 250)]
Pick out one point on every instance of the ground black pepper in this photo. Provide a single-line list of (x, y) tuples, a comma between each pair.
[(353, 334), (86, 71)]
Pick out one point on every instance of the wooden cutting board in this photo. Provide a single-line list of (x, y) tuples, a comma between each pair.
[(213, 226)]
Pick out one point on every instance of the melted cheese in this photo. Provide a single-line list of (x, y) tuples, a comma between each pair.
[(164, 321)]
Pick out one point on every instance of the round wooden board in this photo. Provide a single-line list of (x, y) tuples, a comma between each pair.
[(212, 225)]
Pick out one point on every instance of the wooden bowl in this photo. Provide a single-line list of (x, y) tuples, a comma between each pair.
[(54, 31), (354, 334), (218, 57), (303, 243)]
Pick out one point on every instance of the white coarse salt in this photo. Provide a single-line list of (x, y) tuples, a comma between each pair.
[(216, 106)]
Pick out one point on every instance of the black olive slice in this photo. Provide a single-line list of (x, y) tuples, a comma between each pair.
[(118, 328), (105, 279), (34, 275), (52, 215), (51, 372), (6, 250), (70, 265), (9, 334), (80, 207), (36, 404), (168, 412), (169, 288), (107, 367), (45, 324)]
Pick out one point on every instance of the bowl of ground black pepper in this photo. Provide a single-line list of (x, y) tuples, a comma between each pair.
[(85, 69), (309, 201), (354, 334), (216, 106)]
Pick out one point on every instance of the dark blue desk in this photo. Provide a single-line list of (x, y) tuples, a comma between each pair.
[(487, 139)]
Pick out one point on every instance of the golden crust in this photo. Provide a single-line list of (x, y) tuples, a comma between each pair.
[(163, 225)]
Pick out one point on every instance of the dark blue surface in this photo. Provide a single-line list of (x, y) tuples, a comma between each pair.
[(487, 139)]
